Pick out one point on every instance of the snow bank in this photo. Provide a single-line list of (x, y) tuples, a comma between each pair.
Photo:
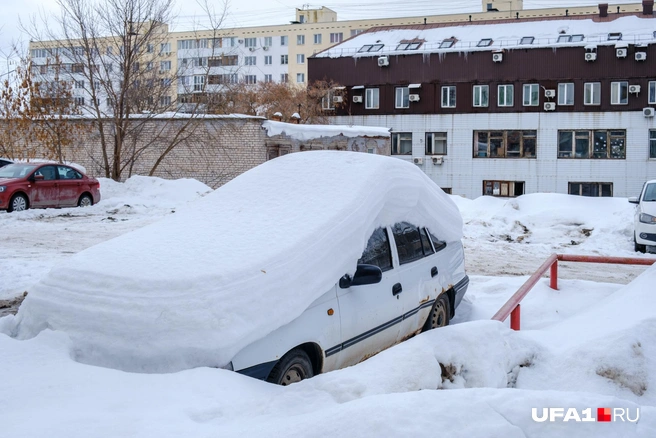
[(309, 132), (196, 287)]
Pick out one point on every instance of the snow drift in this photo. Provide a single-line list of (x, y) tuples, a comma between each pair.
[(198, 286)]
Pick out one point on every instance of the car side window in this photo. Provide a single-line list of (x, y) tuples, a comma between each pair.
[(48, 173), (439, 244), (425, 242), (68, 173), (408, 242), (378, 251)]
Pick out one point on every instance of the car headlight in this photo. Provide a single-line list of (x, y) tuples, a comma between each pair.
[(2, 188), (647, 218)]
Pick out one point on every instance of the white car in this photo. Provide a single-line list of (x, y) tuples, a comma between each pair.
[(644, 235), (307, 263)]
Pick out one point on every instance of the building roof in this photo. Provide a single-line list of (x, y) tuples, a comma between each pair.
[(493, 36)]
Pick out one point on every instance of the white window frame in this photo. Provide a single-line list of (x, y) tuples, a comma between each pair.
[(300, 78), (431, 148), (619, 93), (300, 58), (372, 98), (284, 40), (400, 139), (481, 96), (250, 42), (165, 66), (448, 96), (250, 60), (300, 40), (592, 93), (566, 94), (284, 78), (268, 60), (336, 37), (317, 38), (402, 97), (268, 42), (199, 83), (284, 59), (531, 95), (508, 95), (268, 78)]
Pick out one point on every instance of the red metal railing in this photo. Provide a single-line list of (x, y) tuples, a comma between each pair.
[(512, 307)]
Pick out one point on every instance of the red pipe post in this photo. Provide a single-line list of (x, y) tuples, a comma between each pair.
[(515, 317), (554, 275)]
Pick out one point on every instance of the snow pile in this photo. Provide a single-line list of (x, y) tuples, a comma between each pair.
[(184, 291), (309, 132)]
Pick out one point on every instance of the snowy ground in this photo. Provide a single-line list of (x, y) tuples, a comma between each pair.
[(590, 344)]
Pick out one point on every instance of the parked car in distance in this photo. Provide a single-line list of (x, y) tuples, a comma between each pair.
[(45, 185), (644, 234), (4, 162)]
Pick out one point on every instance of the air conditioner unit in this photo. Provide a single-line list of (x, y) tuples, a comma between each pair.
[(265, 48), (252, 49), (590, 57), (549, 93), (240, 41), (641, 56), (648, 112), (497, 57), (414, 98), (337, 99), (438, 160), (621, 53), (357, 99), (634, 89), (418, 160), (383, 61), (549, 106)]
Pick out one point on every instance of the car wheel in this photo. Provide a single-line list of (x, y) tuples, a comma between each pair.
[(291, 368), (439, 315), (85, 201), (18, 203), (637, 247)]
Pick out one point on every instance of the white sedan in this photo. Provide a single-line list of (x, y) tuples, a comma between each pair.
[(645, 217)]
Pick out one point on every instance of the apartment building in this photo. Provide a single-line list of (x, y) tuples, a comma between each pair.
[(561, 104)]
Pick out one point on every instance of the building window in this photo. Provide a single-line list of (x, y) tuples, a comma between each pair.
[(336, 37), (150, 48), (619, 93), (327, 103), (505, 97), (78, 101), (505, 144), (284, 40), (300, 58), (436, 143), (402, 143), (277, 151), (268, 60), (592, 93), (284, 59), (590, 189), (531, 95), (164, 66), (371, 100), (268, 41), (165, 100), (268, 78), (300, 78), (199, 83), (566, 94), (592, 144), (503, 189), (250, 42), (481, 95), (526, 40), (652, 92), (317, 38), (300, 40), (652, 143), (250, 60), (449, 96), (355, 32), (284, 78), (402, 99), (79, 84), (250, 79)]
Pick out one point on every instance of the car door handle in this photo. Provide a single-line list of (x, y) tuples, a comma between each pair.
[(433, 271), (397, 289)]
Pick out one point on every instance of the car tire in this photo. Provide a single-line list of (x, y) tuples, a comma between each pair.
[(18, 202), (85, 201), (291, 368), (439, 315), (637, 247)]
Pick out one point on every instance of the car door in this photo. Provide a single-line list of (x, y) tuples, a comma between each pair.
[(45, 192), (370, 315), (70, 182), (418, 274)]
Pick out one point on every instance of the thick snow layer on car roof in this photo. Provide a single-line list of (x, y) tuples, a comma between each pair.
[(198, 286)]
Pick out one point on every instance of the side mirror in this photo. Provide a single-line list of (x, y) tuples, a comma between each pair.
[(634, 200), (364, 274)]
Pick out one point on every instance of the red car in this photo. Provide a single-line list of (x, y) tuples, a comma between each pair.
[(45, 185)]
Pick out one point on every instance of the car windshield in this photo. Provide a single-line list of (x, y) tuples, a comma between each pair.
[(16, 170), (650, 193)]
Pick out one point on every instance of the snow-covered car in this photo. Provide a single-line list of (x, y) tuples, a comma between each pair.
[(45, 185), (307, 263), (644, 235)]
